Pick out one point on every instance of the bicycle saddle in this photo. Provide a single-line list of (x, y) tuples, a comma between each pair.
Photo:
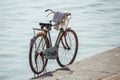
[(45, 24)]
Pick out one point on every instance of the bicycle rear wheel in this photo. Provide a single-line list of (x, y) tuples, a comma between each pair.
[(37, 59), (67, 48)]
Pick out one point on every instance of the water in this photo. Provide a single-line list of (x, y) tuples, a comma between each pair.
[(96, 22)]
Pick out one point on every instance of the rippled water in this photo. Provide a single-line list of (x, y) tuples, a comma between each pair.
[(97, 23)]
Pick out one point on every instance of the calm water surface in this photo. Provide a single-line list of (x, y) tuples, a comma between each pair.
[(96, 22)]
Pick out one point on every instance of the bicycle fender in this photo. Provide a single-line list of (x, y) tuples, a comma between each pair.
[(32, 40), (69, 28), (42, 34)]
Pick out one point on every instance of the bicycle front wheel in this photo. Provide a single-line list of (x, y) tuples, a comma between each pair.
[(37, 59), (67, 48)]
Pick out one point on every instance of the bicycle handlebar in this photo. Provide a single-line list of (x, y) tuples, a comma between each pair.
[(68, 14), (49, 10)]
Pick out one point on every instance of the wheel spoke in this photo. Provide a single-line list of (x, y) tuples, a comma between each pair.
[(36, 55), (67, 49)]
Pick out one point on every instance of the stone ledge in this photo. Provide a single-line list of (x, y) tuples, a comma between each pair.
[(104, 66)]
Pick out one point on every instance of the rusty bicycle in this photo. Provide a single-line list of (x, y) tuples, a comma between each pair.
[(41, 48)]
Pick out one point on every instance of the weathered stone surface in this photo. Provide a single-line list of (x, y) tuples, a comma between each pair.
[(104, 66)]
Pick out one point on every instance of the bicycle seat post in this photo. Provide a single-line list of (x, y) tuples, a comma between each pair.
[(49, 38)]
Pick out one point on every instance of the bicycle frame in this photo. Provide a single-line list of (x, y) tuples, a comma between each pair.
[(47, 34), (51, 49), (58, 38), (52, 52)]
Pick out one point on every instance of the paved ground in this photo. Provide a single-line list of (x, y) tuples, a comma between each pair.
[(104, 66)]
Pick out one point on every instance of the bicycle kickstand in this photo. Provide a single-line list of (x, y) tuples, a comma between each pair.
[(45, 70)]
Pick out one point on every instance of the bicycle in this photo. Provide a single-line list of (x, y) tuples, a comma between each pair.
[(41, 49)]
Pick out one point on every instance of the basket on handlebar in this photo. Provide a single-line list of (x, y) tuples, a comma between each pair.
[(60, 20)]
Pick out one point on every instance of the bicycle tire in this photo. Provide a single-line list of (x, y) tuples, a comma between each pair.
[(64, 43), (44, 60)]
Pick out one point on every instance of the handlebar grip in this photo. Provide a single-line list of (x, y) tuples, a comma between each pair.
[(68, 14), (47, 10)]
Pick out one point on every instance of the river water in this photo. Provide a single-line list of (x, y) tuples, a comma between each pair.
[(96, 22)]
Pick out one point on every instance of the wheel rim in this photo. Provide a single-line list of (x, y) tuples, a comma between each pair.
[(37, 57), (67, 49)]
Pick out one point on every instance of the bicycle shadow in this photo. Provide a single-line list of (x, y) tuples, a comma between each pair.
[(50, 74)]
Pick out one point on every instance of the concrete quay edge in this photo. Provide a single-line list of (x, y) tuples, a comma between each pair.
[(104, 66)]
